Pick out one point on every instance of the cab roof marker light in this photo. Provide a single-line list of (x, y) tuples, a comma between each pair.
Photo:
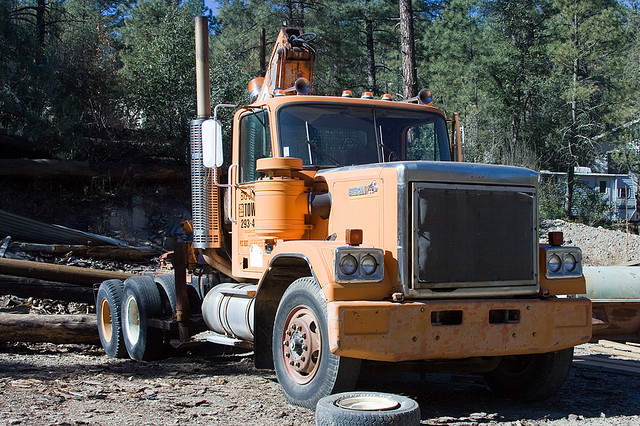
[(367, 95), (347, 94), (386, 97)]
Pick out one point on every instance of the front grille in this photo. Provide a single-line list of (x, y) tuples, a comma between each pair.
[(472, 236)]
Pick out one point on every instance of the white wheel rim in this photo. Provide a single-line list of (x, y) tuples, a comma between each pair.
[(367, 403), (132, 320)]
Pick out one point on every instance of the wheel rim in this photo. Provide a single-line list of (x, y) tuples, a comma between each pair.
[(367, 403), (302, 345), (105, 320), (132, 320)]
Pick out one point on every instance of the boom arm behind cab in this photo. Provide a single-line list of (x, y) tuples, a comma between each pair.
[(292, 58)]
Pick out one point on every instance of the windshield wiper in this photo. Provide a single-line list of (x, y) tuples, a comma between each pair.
[(319, 150)]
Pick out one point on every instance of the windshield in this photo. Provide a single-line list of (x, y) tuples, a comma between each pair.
[(343, 135)]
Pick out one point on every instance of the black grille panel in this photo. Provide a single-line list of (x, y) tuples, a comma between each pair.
[(466, 236)]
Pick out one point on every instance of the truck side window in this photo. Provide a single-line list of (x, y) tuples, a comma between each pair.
[(255, 143)]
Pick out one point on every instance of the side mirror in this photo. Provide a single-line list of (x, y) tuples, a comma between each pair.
[(212, 144)]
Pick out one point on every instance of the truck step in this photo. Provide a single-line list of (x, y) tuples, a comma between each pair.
[(220, 339)]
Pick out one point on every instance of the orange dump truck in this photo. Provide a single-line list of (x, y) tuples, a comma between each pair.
[(346, 230)]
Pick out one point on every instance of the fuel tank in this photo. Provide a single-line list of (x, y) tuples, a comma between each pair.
[(227, 309)]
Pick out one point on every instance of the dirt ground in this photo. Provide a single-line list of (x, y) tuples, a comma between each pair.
[(45, 384)]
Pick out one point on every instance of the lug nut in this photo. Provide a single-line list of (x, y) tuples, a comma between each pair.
[(287, 354), (286, 343), (302, 359), (291, 363), (304, 348), (297, 364), (304, 335)]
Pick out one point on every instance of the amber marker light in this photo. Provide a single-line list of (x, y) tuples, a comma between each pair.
[(367, 95), (353, 237), (387, 97), (556, 238), (347, 94)]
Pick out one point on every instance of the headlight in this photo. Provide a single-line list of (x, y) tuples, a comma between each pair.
[(348, 265), (358, 264), (569, 262), (368, 264), (554, 263), (563, 262)]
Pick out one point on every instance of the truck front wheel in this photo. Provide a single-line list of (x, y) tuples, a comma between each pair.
[(529, 378), (305, 367)]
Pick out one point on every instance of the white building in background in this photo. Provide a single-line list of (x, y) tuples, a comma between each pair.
[(620, 191)]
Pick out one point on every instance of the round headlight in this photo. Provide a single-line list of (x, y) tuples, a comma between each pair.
[(348, 265), (368, 264), (569, 262), (554, 263)]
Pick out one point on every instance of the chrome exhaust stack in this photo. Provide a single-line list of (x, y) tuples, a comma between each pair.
[(204, 193)]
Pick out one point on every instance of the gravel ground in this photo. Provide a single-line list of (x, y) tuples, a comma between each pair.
[(77, 385)]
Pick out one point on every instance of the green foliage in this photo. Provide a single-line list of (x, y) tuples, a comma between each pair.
[(551, 199), (536, 82), (589, 207), (158, 66)]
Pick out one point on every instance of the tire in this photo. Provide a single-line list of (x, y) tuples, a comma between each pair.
[(140, 301), (315, 372), (108, 315), (528, 378), (367, 408), (167, 284)]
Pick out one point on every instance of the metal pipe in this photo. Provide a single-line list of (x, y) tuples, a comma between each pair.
[(203, 99), (612, 282)]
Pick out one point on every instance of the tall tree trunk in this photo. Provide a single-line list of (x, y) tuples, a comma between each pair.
[(407, 47), (568, 198), (301, 14), (40, 23), (371, 59), (290, 13)]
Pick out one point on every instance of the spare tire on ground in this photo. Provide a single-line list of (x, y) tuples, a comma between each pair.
[(367, 408)]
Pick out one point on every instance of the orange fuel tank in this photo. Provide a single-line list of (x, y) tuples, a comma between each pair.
[(281, 200)]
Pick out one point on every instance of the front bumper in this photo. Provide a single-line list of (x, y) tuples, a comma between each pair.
[(435, 329)]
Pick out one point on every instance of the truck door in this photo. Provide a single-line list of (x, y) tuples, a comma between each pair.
[(254, 143)]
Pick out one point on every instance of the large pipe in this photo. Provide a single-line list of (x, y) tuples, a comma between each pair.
[(612, 282), (203, 91)]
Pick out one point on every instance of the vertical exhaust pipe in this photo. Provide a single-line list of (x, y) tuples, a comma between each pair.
[(203, 91), (204, 194)]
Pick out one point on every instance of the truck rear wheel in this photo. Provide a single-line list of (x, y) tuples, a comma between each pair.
[(141, 301), (108, 313), (305, 367), (529, 378)]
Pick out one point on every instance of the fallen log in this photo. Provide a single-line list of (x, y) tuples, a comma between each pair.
[(42, 289), (49, 328), (61, 273), (94, 252)]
